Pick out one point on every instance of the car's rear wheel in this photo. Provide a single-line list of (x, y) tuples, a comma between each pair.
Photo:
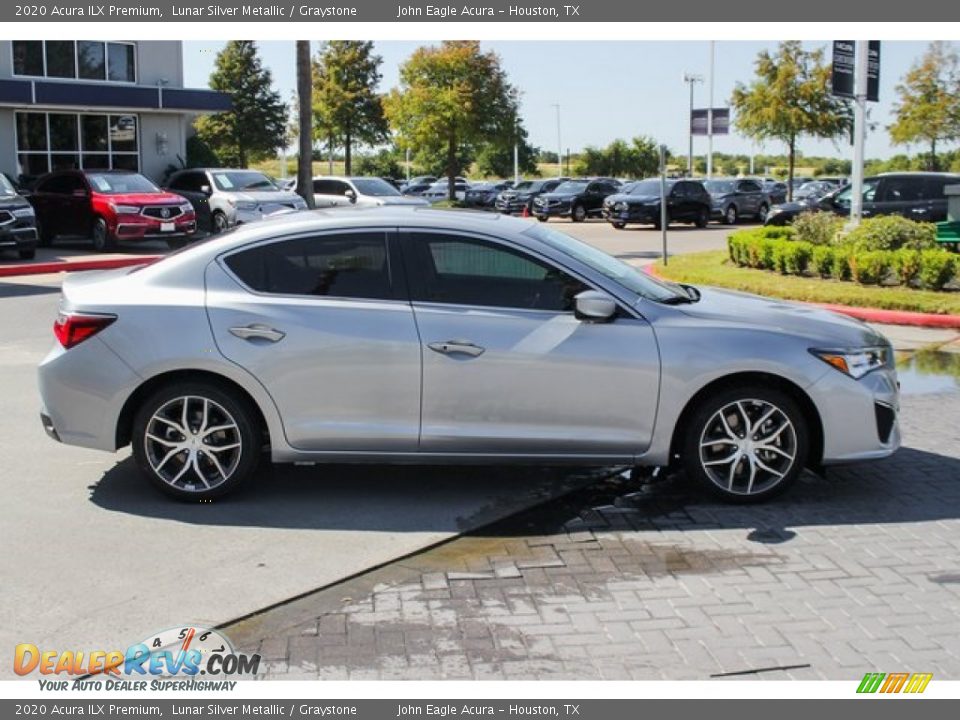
[(578, 214), (196, 441), (730, 215), (746, 443), (703, 218), (27, 254), (103, 241), (762, 212), (542, 218)]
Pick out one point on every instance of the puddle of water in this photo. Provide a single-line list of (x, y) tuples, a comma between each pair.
[(928, 372)]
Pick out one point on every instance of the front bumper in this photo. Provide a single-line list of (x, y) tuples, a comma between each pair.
[(18, 237), (156, 230), (860, 417), (551, 210), (645, 215), (511, 206)]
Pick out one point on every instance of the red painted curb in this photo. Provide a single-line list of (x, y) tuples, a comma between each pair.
[(885, 317), (64, 266)]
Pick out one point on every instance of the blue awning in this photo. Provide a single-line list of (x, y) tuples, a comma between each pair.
[(104, 95)]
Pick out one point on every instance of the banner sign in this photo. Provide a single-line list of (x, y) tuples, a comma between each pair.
[(844, 69), (721, 121)]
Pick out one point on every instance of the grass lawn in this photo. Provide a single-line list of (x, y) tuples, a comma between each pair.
[(715, 268)]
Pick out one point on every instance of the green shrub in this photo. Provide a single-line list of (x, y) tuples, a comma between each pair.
[(936, 268), (796, 257), (774, 232), (906, 263), (840, 265), (817, 228), (822, 260), (768, 251), (870, 267), (892, 232)]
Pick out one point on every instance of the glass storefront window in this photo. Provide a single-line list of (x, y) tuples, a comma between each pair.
[(123, 64), (91, 60), (54, 141), (60, 59)]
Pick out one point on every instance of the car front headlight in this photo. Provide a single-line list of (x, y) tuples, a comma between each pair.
[(23, 212), (125, 209), (186, 208), (857, 362)]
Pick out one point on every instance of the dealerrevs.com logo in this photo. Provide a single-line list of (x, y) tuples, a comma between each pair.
[(169, 660), (893, 683)]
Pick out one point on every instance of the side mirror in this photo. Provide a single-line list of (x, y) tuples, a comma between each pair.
[(350, 195), (206, 190), (594, 306)]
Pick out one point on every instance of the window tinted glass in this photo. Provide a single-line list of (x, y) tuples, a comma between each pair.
[(464, 271), (351, 265), (933, 187), (120, 183), (719, 186), (122, 64), (61, 184), (235, 180), (375, 187), (91, 60), (869, 192), (647, 188), (902, 189), (60, 59), (28, 57)]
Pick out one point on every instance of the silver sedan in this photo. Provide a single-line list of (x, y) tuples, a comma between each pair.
[(413, 335)]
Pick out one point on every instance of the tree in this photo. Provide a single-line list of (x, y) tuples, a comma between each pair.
[(451, 100), (385, 163), (789, 99), (304, 131), (346, 105), (495, 157), (638, 158), (255, 127), (928, 109)]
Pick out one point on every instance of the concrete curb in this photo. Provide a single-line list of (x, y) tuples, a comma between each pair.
[(45, 268), (876, 315)]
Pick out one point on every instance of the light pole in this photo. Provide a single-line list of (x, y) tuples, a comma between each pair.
[(710, 120), (859, 130), (516, 151), (559, 145), (691, 79)]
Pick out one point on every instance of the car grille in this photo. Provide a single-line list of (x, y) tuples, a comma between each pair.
[(885, 419), (5, 217), (163, 212)]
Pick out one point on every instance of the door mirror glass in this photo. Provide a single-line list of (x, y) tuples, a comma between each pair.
[(206, 190), (594, 306)]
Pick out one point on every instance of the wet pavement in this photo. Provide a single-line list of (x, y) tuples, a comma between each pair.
[(850, 573)]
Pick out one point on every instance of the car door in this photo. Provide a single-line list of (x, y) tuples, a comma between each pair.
[(677, 202), (748, 197), (323, 322), (903, 195), (330, 193), (936, 196), (507, 367), (74, 205), (195, 187)]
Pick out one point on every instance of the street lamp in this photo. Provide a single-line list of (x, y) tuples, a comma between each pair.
[(559, 145), (691, 79)]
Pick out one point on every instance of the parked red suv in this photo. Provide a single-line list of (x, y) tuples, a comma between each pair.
[(108, 206)]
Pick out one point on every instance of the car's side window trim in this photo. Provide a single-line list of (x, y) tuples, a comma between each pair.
[(395, 269), (414, 278)]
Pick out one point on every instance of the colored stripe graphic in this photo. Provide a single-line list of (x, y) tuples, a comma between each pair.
[(914, 683)]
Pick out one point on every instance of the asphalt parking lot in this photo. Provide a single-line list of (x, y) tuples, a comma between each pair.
[(98, 559)]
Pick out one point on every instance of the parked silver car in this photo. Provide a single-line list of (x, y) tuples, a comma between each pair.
[(224, 197), (415, 335)]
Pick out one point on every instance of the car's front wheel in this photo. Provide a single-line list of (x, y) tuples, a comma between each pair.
[(703, 218), (746, 443), (196, 440), (218, 222), (103, 241), (762, 212), (579, 213), (618, 225)]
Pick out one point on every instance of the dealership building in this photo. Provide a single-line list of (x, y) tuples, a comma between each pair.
[(96, 104)]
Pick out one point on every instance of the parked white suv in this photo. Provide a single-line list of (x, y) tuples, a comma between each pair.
[(357, 192), (224, 197)]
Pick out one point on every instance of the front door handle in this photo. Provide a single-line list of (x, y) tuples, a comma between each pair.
[(258, 331), (453, 347)]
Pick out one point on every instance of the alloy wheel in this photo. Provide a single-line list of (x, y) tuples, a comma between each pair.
[(748, 447), (193, 443)]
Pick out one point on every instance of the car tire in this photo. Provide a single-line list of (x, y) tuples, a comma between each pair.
[(743, 463), (762, 212), (27, 254), (542, 218), (703, 218), (730, 215), (578, 213), (103, 241), (618, 225), (218, 223), (44, 238), (198, 471)]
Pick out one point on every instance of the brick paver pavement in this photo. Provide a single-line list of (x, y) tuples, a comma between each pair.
[(853, 573)]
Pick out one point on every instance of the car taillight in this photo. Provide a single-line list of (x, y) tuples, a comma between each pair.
[(73, 328)]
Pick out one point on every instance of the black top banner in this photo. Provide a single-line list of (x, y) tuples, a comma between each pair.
[(474, 11)]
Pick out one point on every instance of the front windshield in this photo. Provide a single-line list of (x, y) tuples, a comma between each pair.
[(234, 180), (571, 186), (624, 275), (646, 187), (719, 186), (6, 188), (375, 187), (525, 185), (121, 183)]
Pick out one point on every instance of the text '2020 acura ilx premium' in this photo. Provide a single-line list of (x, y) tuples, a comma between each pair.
[(415, 335)]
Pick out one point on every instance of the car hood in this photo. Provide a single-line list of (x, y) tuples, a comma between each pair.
[(822, 327), (559, 196), (796, 206), (629, 198), (265, 196), (157, 198), (402, 200), (13, 202)]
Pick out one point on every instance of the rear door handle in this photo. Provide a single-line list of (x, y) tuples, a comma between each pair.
[(453, 347), (258, 331)]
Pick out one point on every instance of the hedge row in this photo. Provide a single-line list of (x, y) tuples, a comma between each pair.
[(929, 269)]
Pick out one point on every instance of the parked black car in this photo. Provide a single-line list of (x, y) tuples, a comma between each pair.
[(522, 196), (425, 180), (575, 199), (915, 195), (484, 195), (775, 190), (734, 199), (687, 201), (18, 224)]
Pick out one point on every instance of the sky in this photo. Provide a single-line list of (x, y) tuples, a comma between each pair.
[(609, 90)]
